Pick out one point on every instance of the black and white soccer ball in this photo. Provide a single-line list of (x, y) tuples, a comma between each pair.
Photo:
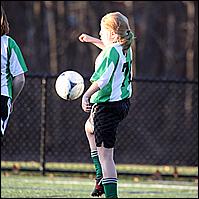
[(69, 85)]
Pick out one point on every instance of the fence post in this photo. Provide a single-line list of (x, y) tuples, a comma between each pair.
[(43, 126)]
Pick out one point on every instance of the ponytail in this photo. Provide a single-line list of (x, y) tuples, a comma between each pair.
[(127, 40)]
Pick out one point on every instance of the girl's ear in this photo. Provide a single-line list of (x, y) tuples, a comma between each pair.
[(114, 36), (113, 33)]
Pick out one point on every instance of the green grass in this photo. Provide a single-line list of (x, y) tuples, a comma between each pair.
[(36, 186)]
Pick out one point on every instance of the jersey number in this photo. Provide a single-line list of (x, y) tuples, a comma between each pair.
[(127, 72)]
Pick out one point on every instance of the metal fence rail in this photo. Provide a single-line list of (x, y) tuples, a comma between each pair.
[(161, 128)]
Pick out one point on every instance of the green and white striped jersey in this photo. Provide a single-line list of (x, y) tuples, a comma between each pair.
[(12, 64), (112, 74)]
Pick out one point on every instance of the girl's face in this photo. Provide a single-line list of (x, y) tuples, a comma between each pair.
[(107, 36)]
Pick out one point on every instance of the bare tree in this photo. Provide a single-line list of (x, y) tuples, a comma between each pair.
[(52, 36)]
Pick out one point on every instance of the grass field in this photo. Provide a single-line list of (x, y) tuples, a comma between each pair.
[(36, 186)]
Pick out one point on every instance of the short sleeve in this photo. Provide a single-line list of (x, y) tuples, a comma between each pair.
[(17, 62)]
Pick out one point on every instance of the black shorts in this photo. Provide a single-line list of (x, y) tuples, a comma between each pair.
[(5, 112), (107, 117)]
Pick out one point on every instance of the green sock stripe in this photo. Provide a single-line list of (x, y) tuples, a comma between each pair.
[(94, 153), (94, 156), (109, 180)]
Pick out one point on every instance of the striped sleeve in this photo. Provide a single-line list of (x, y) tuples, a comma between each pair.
[(17, 63), (104, 72)]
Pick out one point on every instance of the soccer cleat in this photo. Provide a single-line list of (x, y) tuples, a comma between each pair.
[(99, 189)]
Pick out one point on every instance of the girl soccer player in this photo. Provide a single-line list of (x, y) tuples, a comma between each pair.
[(13, 68), (107, 99)]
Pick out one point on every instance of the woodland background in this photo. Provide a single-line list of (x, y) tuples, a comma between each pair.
[(47, 32)]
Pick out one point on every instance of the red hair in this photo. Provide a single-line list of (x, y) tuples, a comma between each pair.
[(4, 23)]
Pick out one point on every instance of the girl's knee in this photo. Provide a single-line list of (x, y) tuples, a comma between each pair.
[(88, 127)]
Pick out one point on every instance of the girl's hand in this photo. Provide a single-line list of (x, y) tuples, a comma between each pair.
[(85, 104), (89, 39), (85, 38), (87, 95)]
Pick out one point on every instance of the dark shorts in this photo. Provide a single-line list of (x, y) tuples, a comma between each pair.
[(107, 117), (5, 113)]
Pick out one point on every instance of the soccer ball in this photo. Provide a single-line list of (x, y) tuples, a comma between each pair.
[(69, 85)]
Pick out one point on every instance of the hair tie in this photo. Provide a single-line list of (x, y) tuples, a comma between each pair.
[(128, 32)]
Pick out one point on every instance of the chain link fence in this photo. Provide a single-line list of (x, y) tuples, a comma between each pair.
[(161, 128)]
